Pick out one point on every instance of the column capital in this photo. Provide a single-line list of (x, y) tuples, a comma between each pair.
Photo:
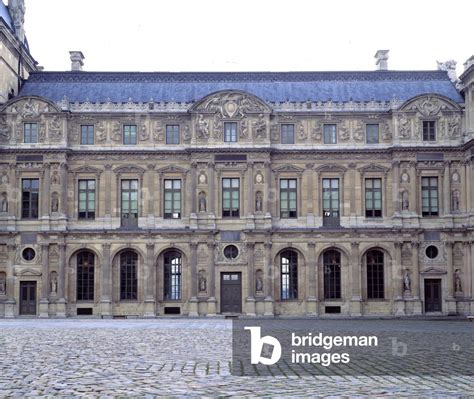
[(151, 167), (250, 245), (150, 245), (268, 245), (106, 246), (311, 244), (193, 245), (415, 244), (398, 244), (45, 246), (449, 244), (355, 244)]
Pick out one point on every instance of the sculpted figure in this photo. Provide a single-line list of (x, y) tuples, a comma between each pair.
[(407, 280), (258, 201), (54, 285), (3, 285), (259, 281), (202, 281), (4, 203), (457, 281), (405, 201), (202, 202), (54, 202), (455, 200)]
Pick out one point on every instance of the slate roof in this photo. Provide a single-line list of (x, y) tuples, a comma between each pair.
[(6, 15), (268, 86)]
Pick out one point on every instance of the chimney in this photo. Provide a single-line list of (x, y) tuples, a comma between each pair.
[(17, 12), (469, 62), (382, 59), (77, 60)]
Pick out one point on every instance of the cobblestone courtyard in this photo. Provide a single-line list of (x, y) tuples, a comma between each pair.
[(176, 357)]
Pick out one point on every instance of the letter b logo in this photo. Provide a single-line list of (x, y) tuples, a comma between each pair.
[(259, 345)]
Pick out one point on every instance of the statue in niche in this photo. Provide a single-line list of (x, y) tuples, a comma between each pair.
[(455, 200), (407, 280), (54, 284), (202, 281), (405, 201), (202, 202), (258, 201), (55, 202), (4, 203), (457, 281), (259, 281), (3, 284)]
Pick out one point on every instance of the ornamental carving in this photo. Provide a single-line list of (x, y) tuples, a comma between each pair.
[(217, 129), (158, 134), (358, 131), (230, 105), (454, 126), (117, 132), (30, 109), (429, 106), (5, 134), (143, 134), (302, 135), (404, 126), (56, 129), (244, 129), (260, 128), (186, 134), (202, 129), (101, 134), (386, 132), (317, 131), (344, 131)]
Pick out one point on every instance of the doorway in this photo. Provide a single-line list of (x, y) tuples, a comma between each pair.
[(27, 298), (433, 295), (231, 292)]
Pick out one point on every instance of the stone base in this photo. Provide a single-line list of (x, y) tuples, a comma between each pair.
[(311, 306), (44, 309), (355, 307), (61, 308), (268, 307), (211, 307), (193, 307), (399, 307), (250, 307), (149, 309), (10, 309), (451, 308), (106, 309), (417, 307)]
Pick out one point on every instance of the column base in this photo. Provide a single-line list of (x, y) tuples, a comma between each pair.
[(106, 309), (417, 308), (311, 306), (451, 308), (250, 307), (61, 308), (44, 309), (211, 307), (193, 307), (399, 307), (149, 309), (10, 309), (355, 307), (268, 306)]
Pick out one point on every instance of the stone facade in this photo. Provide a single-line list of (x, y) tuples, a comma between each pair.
[(298, 259)]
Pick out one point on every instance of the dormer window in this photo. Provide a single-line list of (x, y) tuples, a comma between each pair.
[(230, 132), (30, 131), (429, 131), (330, 134), (130, 134)]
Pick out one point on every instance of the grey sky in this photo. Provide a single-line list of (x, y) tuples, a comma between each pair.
[(185, 35)]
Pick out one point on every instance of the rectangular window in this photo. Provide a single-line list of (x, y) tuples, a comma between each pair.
[(330, 136), (29, 198), (172, 199), (288, 134), (30, 132), (429, 196), (87, 134), (230, 132), (172, 134), (373, 198), (129, 203), (429, 131), (130, 134), (288, 198), (86, 199), (372, 133), (330, 202), (230, 198)]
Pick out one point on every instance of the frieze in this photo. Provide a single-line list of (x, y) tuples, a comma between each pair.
[(230, 105)]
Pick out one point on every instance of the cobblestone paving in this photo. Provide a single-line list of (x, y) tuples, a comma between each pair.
[(169, 357)]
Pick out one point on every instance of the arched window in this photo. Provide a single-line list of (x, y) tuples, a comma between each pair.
[(332, 274), (172, 263), (85, 276), (375, 278), (128, 275), (289, 275)]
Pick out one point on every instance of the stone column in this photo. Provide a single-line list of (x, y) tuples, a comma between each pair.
[(211, 302), (150, 280), (61, 304), (355, 304), (250, 192), (312, 300), (446, 189), (193, 301), (396, 188), (212, 192), (64, 189), (13, 192), (468, 281), (450, 301), (45, 192), (397, 286), (268, 305), (106, 283), (310, 199), (268, 186), (10, 302), (108, 191), (151, 191), (352, 183), (414, 179), (44, 303), (417, 308), (193, 188), (251, 280)]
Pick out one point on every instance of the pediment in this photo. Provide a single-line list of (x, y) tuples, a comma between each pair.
[(172, 169), (87, 169), (231, 104), (28, 273), (433, 270), (373, 168), (29, 107), (331, 168), (429, 105), (288, 169), (129, 169)]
